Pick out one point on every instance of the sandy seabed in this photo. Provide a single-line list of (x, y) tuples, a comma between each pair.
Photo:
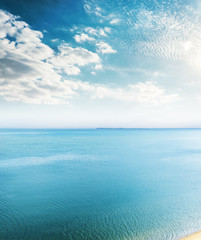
[(194, 236)]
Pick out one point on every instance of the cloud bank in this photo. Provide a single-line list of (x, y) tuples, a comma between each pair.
[(32, 72)]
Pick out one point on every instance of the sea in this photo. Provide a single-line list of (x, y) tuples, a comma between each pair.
[(99, 184)]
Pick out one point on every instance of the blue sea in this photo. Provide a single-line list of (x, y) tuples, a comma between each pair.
[(100, 184)]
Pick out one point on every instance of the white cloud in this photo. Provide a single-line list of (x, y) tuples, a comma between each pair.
[(91, 8), (107, 29), (69, 59), (104, 48), (99, 32), (55, 40), (27, 41), (30, 71), (115, 21), (147, 93), (83, 37), (98, 66)]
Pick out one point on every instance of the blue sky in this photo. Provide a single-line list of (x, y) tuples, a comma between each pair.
[(97, 63)]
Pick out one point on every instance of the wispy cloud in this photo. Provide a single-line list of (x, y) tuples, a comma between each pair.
[(137, 93), (164, 33), (99, 32), (92, 8), (104, 48), (161, 30)]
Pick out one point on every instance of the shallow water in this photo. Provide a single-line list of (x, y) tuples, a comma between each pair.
[(100, 184)]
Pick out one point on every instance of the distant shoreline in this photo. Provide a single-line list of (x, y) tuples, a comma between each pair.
[(144, 128)]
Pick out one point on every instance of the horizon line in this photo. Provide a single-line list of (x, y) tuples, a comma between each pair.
[(98, 128)]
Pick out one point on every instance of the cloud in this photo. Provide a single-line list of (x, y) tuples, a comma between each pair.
[(107, 29), (83, 37), (104, 48), (98, 32), (31, 71), (141, 93), (164, 34), (161, 30), (91, 7), (98, 66), (55, 40), (27, 42), (115, 21), (136, 93), (69, 59)]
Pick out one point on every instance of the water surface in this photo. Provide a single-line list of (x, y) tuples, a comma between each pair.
[(102, 184)]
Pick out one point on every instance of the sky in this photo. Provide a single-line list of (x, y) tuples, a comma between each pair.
[(99, 63)]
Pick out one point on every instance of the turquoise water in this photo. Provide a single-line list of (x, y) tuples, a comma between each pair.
[(102, 184)]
